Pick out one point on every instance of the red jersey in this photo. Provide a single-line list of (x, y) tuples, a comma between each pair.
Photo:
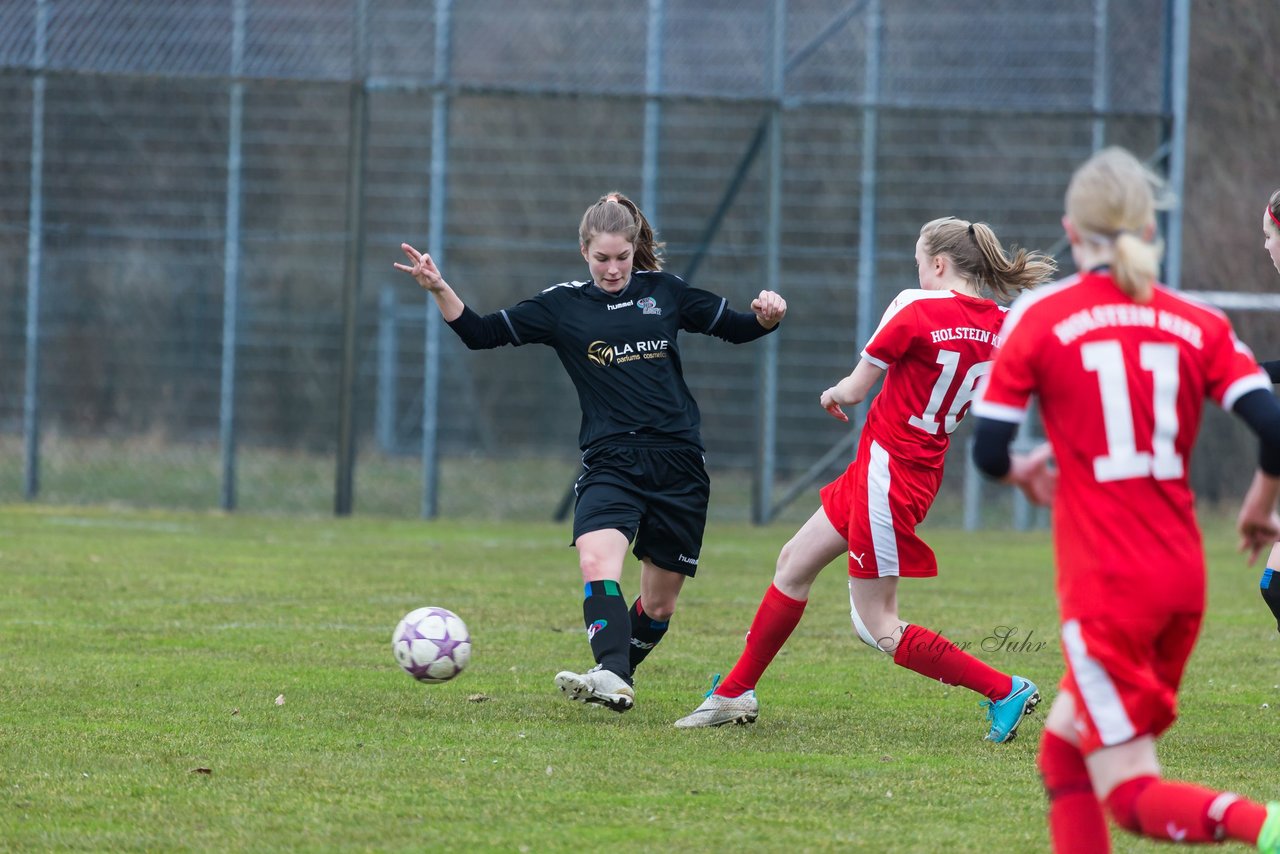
[(939, 344), (1121, 386)]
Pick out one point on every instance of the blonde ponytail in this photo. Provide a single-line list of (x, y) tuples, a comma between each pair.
[(1112, 200), (1136, 265)]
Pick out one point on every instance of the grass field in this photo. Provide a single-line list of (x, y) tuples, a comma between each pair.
[(137, 648)]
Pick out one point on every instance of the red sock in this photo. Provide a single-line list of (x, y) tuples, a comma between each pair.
[(1076, 820), (776, 619), (1183, 812), (930, 654), (1241, 819)]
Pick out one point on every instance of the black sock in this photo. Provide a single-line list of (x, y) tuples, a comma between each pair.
[(605, 613), (645, 633)]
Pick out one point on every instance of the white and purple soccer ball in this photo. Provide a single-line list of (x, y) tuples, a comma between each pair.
[(432, 644)]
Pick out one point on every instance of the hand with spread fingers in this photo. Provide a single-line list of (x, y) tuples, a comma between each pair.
[(423, 269)]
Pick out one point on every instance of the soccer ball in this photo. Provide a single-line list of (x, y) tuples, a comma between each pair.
[(432, 644)]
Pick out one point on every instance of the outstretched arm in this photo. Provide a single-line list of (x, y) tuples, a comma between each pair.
[(739, 327), (851, 390), (428, 276)]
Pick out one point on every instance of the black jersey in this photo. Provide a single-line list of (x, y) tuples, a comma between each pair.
[(620, 350)]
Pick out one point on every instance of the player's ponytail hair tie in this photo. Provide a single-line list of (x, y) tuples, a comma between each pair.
[(1272, 214), (971, 231)]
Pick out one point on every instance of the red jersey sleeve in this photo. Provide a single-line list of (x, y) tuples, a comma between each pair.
[(1230, 368), (1006, 393), (893, 337)]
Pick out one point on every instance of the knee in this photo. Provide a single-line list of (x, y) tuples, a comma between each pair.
[(594, 566), (1062, 767), (791, 575), (659, 609)]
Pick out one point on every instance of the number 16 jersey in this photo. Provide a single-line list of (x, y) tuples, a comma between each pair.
[(939, 344), (1121, 386)]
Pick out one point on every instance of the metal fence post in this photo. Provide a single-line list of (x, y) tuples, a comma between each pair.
[(866, 307), (1179, 53), (436, 246), (1100, 73), (35, 244), (344, 477), (652, 112), (767, 386), (231, 262)]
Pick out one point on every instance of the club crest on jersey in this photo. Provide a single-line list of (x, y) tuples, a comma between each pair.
[(600, 353), (648, 305)]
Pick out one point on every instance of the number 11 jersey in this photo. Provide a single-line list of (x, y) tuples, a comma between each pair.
[(939, 344), (1121, 386)]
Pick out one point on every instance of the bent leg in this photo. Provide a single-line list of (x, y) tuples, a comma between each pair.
[(1127, 776), (874, 604), (651, 612), (815, 545), (873, 607)]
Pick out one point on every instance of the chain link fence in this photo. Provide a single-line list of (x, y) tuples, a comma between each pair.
[(200, 204)]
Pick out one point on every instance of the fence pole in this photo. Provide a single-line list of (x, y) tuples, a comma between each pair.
[(1176, 87), (231, 261), (1100, 73), (767, 386), (35, 245), (866, 306), (344, 478), (436, 198), (652, 112)]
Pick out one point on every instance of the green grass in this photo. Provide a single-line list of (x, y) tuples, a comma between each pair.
[(137, 647)]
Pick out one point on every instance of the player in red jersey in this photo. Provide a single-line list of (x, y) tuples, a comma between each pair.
[(1121, 367), (932, 346)]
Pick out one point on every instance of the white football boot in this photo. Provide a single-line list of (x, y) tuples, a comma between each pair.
[(718, 711), (598, 687)]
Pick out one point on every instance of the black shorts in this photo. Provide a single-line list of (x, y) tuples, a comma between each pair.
[(655, 496)]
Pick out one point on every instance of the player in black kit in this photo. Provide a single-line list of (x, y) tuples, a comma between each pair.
[(642, 477)]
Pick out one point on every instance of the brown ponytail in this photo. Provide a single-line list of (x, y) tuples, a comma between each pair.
[(614, 213), (980, 258)]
